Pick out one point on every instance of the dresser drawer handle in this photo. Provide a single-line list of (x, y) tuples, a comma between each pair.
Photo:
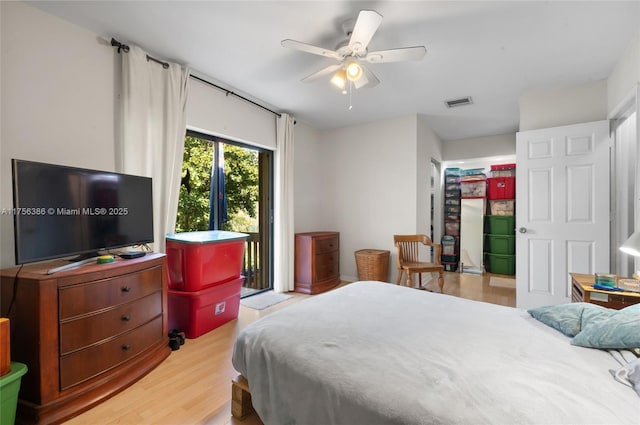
[(126, 289), (126, 347), (126, 318)]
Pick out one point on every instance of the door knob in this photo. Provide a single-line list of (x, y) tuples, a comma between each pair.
[(522, 230)]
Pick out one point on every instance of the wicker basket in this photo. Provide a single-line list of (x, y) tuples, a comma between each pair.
[(372, 264)]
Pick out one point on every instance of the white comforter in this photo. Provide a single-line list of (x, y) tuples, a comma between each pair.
[(374, 353)]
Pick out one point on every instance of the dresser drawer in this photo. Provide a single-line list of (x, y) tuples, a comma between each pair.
[(97, 295), (326, 244), (329, 259), (327, 269), (85, 364), (84, 331)]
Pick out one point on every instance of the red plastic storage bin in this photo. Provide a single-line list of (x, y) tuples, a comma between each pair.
[(196, 313), (501, 187), (503, 167), (198, 260), (503, 170)]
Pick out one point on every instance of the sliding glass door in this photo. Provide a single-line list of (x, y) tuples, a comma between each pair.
[(228, 186)]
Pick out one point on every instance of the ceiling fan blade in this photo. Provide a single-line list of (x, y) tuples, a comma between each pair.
[(366, 25), (367, 80), (308, 48), (397, 55), (324, 71)]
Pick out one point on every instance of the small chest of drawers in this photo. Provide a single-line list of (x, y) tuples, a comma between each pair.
[(317, 261)]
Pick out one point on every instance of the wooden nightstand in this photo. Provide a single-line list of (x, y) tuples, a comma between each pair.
[(582, 291)]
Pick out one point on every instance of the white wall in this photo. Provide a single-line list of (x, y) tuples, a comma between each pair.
[(211, 111), (429, 147), (479, 147), (563, 106), (310, 190), (369, 178), (58, 100), (625, 75)]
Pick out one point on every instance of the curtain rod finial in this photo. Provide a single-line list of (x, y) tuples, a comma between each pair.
[(120, 46)]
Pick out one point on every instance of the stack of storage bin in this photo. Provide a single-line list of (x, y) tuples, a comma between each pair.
[(473, 183), (204, 279), (451, 241), (500, 244)]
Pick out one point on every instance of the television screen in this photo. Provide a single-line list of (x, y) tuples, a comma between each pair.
[(63, 211)]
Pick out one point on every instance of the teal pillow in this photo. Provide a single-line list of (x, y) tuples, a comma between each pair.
[(610, 329), (566, 318)]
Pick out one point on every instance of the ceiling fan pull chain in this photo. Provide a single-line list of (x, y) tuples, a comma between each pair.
[(350, 91)]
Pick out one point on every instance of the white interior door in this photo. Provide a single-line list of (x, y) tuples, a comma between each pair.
[(562, 209)]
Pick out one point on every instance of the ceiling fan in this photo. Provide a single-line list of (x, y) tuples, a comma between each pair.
[(352, 53)]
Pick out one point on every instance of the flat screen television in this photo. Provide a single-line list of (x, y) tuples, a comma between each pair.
[(62, 211)]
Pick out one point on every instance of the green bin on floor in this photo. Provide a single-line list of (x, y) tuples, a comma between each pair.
[(502, 264), (9, 387)]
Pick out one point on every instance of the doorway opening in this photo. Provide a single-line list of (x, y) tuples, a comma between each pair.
[(624, 183), (227, 185)]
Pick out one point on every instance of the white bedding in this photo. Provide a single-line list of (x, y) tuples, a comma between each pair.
[(375, 353)]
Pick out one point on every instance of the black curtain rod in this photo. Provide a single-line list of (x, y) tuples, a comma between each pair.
[(124, 48), (229, 92)]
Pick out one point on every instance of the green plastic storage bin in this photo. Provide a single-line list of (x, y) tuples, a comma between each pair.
[(501, 224), (501, 244), (9, 387), (501, 263)]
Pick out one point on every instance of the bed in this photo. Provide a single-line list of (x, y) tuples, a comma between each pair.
[(376, 353)]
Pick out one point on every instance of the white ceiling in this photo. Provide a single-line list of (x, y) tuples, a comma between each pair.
[(491, 51)]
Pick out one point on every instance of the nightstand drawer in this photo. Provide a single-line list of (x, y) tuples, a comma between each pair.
[(613, 300)]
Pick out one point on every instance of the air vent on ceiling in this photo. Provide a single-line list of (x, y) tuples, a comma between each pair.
[(458, 102)]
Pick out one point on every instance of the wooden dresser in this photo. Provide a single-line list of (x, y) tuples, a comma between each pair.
[(317, 261), (582, 291), (86, 333)]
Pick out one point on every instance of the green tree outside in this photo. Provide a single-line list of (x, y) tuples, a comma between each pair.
[(241, 186)]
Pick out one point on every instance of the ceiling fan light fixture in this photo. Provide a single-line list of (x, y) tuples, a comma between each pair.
[(339, 79), (354, 71)]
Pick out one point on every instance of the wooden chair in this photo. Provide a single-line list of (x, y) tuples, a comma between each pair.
[(409, 259)]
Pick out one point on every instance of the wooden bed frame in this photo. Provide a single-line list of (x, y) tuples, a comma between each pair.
[(241, 405)]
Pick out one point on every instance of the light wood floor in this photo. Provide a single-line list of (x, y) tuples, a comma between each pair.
[(192, 386)]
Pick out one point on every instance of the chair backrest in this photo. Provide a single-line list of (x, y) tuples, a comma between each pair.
[(409, 248)]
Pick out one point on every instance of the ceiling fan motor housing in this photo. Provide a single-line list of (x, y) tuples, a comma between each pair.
[(352, 53)]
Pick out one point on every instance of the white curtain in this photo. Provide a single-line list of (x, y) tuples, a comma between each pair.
[(283, 226), (154, 102)]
